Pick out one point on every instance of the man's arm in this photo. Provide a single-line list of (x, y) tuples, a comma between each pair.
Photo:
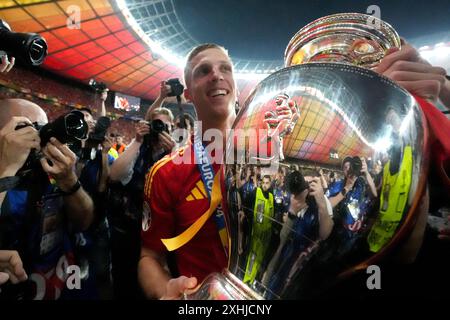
[(121, 168), (103, 180), (80, 207), (369, 180), (103, 97), (325, 221), (164, 91), (153, 275), (323, 181)]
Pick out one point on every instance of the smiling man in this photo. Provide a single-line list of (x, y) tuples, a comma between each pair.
[(175, 194)]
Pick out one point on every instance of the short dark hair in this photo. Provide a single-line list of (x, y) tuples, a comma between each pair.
[(266, 176), (296, 183), (347, 159)]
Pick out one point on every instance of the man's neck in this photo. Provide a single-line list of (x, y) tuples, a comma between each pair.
[(222, 126)]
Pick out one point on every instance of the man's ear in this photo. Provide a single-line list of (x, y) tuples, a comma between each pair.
[(187, 95)]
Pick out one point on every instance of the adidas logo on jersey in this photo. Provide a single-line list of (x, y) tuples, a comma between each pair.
[(198, 192)]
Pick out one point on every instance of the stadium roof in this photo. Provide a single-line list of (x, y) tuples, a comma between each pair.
[(104, 48)]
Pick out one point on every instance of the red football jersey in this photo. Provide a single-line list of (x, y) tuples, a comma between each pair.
[(174, 198)]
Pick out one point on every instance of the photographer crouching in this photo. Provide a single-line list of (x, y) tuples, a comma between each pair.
[(127, 175), (42, 201)]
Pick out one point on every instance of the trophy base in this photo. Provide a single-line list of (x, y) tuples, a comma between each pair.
[(223, 286)]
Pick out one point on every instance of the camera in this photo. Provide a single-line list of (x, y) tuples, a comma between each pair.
[(97, 86), (156, 127), (176, 88), (69, 129), (99, 134), (29, 48)]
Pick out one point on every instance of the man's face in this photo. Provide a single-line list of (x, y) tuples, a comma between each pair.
[(212, 88), (346, 168), (119, 140), (265, 184), (89, 120)]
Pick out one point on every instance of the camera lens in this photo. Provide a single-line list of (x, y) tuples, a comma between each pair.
[(76, 127), (38, 51), (158, 126)]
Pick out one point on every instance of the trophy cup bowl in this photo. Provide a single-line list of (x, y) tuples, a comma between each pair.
[(325, 168)]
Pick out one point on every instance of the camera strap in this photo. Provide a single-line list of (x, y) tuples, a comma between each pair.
[(8, 183)]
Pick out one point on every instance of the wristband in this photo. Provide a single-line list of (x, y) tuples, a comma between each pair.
[(72, 190)]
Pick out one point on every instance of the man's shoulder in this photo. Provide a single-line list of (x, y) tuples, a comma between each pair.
[(172, 161), (170, 167)]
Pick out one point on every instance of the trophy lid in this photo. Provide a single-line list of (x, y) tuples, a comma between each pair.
[(352, 38)]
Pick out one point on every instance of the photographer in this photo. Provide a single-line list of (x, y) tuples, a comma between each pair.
[(308, 221), (351, 199), (93, 245), (37, 216), (152, 142), (168, 88), (356, 176)]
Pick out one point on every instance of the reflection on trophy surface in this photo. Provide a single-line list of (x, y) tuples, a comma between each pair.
[(345, 171)]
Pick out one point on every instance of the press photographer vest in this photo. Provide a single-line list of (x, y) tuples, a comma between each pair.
[(263, 212), (393, 199)]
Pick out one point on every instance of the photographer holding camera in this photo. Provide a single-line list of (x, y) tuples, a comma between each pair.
[(350, 199), (38, 214), (168, 88), (152, 142), (93, 245)]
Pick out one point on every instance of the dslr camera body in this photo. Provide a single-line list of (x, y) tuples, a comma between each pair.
[(29, 48), (176, 88), (101, 127), (97, 86), (69, 129), (157, 126)]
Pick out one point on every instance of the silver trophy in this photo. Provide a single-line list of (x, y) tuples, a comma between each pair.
[(331, 168)]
